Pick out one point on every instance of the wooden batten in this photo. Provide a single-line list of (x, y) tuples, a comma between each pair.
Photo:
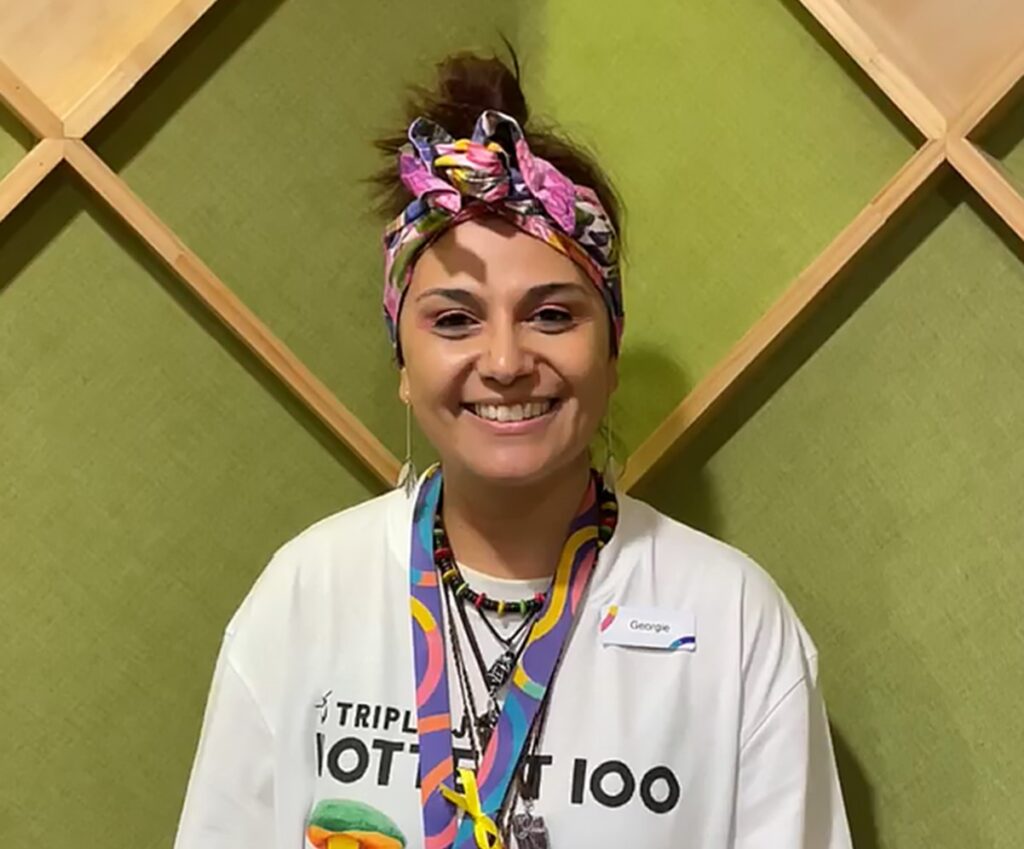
[(25, 104), (123, 76), (880, 59), (80, 58), (990, 180), (793, 306), (29, 173), (993, 99), (223, 303), (949, 49), (948, 65)]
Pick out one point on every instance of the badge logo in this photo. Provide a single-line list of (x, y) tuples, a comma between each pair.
[(648, 627)]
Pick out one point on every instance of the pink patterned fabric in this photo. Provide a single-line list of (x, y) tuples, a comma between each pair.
[(494, 172)]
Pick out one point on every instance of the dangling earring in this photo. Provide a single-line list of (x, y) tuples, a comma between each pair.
[(612, 466), (407, 476)]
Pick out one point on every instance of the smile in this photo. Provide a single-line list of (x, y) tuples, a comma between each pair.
[(512, 412)]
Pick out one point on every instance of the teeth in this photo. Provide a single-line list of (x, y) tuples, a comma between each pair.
[(512, 412)]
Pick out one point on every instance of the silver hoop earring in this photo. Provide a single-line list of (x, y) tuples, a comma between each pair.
[(407, 476)]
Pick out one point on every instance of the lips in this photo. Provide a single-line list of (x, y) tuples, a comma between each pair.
[(511, 413)]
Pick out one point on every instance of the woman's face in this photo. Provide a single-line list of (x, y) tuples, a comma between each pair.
[(506, 347)]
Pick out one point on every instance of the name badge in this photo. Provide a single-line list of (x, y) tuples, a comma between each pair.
[(648, 627)]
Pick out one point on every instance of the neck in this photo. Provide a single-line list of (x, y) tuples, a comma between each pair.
[(512, 531)]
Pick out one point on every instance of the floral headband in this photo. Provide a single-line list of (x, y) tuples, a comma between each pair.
[(494, 172)]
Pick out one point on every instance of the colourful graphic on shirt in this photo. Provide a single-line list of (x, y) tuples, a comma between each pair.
[(346, 824)]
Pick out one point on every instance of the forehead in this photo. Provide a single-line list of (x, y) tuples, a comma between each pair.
[(493, 254)]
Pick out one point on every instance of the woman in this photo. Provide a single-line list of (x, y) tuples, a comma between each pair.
[(577, 670)]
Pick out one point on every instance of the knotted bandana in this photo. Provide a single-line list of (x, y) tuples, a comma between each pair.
[(494, 172)]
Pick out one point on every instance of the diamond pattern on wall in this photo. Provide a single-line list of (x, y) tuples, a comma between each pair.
[(727, 191), (881, 42), (254, 89), (946, 64), (148, 442), (79, 58), (911, 533)]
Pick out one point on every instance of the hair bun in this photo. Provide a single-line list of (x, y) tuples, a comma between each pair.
[(467, 84)]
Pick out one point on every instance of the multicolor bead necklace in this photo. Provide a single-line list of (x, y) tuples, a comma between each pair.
[(528, 828), (452, 576)]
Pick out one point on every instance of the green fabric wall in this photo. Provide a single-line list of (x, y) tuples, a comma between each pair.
[(875, 469), (149, 466), (1005, 141)]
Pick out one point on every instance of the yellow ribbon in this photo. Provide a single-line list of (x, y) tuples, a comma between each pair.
[(484, 828)]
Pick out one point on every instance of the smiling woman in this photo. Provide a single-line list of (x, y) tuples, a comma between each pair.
[(498, 600), (509, 374)]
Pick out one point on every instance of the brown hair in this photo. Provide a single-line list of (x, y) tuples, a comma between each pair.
[(467, 84)]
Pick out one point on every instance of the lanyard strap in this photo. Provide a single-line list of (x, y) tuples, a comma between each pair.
[(530, 680)]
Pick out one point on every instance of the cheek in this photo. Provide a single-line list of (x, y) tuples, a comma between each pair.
[(430, 384), (435, 372), (591, 384)]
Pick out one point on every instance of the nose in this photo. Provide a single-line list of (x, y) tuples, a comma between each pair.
[(504, 358)]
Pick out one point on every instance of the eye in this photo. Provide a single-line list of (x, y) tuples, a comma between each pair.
[(553, 318), (454, 321)]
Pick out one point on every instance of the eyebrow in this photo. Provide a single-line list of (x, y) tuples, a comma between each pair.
[(533, 294)]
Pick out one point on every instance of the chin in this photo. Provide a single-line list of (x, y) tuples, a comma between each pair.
[(513, 470)]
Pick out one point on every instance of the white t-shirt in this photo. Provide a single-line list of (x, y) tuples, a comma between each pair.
[(724, 746)]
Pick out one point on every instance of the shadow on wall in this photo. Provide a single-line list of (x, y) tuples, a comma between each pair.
[(853, 70), (676, 485), (11, 126), (644, 373), (1003, 131), (380, 50), (252, 139), (857, 794), (211, 42), (52, 208), (684, 487)]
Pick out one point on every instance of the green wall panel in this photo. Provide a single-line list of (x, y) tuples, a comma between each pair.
[(148, 469), (743, 145), (14, 141), (1015, 162), (1006, 140), (875, 469), (252, 138), (148, 466)]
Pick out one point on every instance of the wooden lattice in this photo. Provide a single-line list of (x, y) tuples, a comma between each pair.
[(949, 66)]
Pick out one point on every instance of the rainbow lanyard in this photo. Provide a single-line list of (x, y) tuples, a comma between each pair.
[(530, 680)]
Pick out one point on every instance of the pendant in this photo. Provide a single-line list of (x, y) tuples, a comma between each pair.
[(500, 671), (530, 831), (486, 723)]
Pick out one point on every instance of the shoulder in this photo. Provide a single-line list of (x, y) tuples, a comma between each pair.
[(681, 554), (693, 568), (355, 528), (335, 549), (322, 572)]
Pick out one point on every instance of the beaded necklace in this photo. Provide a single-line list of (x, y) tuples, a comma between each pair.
[(452, 576), (529, 830), (495, 675)]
